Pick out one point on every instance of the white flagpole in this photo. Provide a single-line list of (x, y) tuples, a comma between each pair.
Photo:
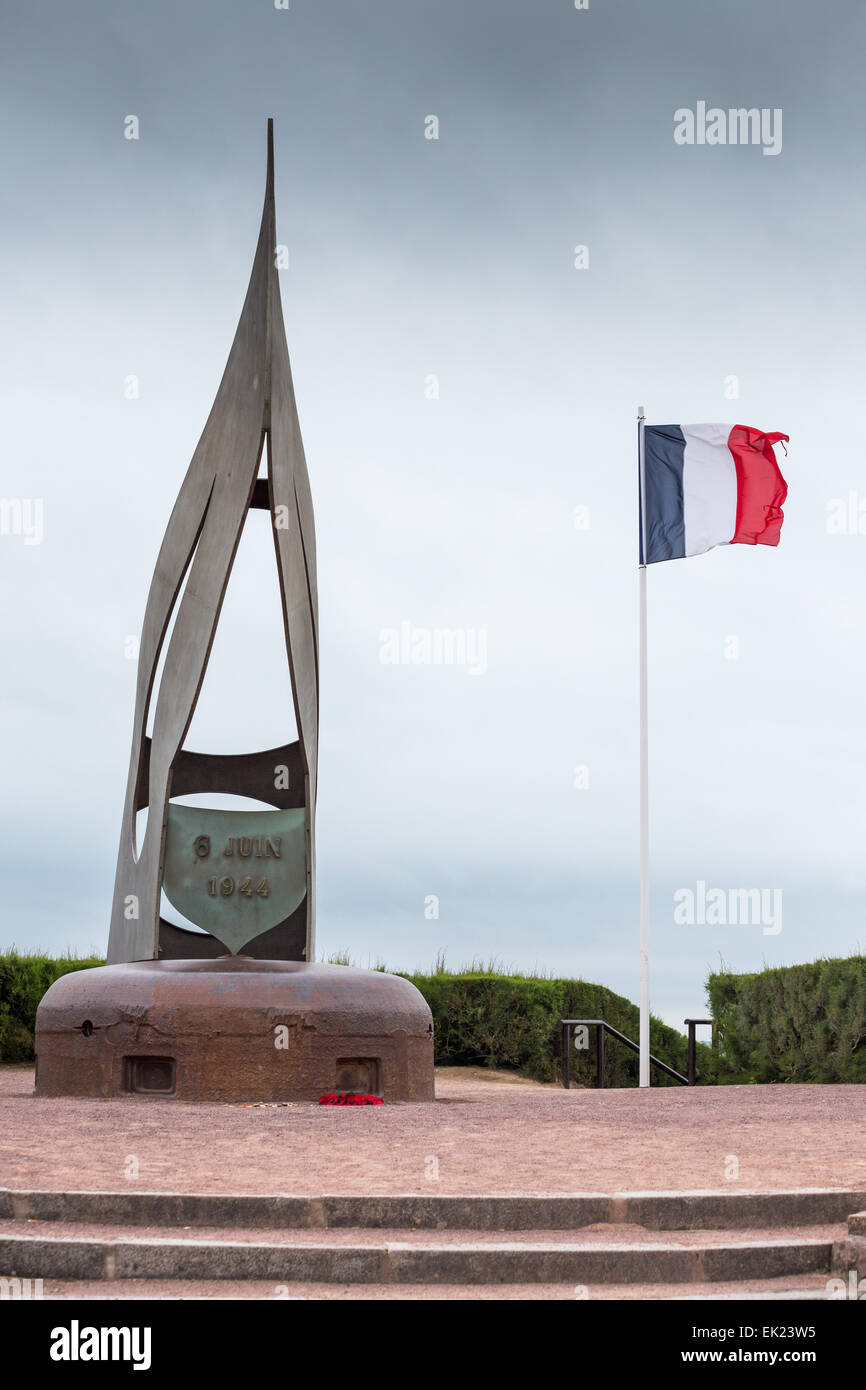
[(644, 779)]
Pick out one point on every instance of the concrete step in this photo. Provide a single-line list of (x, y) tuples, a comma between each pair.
[(797, 1288), (689, 1244), (461, 1258), (669, 1211), (601, 1234)]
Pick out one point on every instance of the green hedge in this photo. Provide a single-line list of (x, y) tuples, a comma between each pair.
[(480, 1019), (23, 981), (795, 1023), (513, 1022)]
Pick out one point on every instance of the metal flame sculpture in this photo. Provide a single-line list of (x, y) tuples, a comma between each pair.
[(246, 877)]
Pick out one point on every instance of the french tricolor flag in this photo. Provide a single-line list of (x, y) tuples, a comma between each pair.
[(709, 485)]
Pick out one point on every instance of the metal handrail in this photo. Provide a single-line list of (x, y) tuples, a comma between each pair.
[(692, 1024), (603, 1026)]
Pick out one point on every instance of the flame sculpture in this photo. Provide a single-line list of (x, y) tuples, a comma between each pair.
[(196, 854)]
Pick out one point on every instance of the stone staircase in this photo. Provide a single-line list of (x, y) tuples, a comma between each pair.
[(630, 1245)]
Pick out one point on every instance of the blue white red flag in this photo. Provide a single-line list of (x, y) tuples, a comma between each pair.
[(709, 485)]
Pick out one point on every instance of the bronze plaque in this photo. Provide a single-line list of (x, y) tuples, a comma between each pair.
[(236, 874)]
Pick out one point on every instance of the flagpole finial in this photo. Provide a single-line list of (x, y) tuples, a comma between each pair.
[(640, 413)]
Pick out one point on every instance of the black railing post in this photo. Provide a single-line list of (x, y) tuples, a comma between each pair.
[(599, 1056), (692, 1023)]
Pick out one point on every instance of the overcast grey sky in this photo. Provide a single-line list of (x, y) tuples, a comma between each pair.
[(412, 258)]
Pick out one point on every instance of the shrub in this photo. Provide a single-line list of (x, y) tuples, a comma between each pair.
[(512, 1022), (23, 981), (794, 1023)]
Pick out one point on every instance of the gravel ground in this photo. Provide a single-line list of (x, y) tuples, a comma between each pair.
[(482, 1134)]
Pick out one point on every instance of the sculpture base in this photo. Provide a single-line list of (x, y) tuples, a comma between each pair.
[(233, 1029)]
